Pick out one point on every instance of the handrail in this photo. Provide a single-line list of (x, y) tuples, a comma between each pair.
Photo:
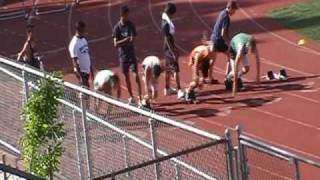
[(159, 160), (271, 148), (19, 173), (9, 147), (117, 103), (123, 105), (139, 141)]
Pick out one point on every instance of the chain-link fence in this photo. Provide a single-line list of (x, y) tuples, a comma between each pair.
[(105, 135), (183, 164), (108, 138), (262, 161)]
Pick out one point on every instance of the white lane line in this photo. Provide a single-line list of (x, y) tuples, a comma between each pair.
[(269, 62), (287, 119), (283, 146)]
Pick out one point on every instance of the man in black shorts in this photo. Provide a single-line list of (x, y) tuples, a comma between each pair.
[(199, 63), (124, 34), (79, 52), (220, 33), (170, 51)]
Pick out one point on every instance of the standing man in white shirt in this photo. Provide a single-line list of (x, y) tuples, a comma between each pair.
[(171, 53), (79, 52)]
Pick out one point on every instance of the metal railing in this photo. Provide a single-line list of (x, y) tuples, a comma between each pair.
[(13, 173), (17, 12), (263, 161), (115, 136), (10, 170), (121, 141), (25, 8)]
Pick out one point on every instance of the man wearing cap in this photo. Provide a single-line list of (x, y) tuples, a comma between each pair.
[(124, 33)]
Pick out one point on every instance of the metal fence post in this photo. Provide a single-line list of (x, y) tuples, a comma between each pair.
[(154, 147), (4, 162), (41, 66), (86, 139), (297, 171), (229, 155), (25, 85), (126, 155), (178, 174), (242, 157), (77, 134), (236, 161)]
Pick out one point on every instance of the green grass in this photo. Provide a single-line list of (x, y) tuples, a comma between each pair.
[(303, 17)]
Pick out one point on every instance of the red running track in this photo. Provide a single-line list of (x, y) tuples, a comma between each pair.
[(284, 114)]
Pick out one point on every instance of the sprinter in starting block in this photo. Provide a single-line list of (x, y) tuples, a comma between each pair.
[(241, 45), (200, 59)]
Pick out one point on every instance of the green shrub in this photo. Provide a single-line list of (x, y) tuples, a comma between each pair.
[(43, 134)]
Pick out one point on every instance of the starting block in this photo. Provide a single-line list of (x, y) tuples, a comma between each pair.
[(190, 98), (229, 84), (282, 75)]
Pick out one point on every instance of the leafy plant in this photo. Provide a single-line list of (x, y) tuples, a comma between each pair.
[(43, 134)]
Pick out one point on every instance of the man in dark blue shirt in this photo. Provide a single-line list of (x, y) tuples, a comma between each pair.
[(220, 33), (124, 34)]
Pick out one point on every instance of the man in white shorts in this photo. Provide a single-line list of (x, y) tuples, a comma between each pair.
[(151, 70), (107, 82), (241, 45)]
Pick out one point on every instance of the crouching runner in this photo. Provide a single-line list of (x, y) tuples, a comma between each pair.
[(200, 60), (151, 73), (241, 45), (107, 82)]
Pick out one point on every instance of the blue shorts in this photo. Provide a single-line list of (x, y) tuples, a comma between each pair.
[(220, 45), (127, 66), (84, 79), (205, 67)]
